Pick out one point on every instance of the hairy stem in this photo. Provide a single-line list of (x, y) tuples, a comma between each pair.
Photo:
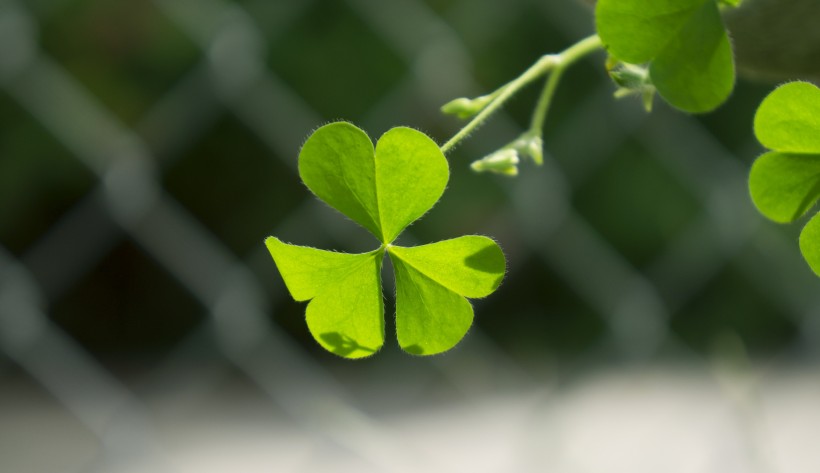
[(567, 58), (541, 67), (550, 62)]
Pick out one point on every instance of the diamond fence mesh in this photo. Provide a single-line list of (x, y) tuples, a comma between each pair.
[(650, 319)]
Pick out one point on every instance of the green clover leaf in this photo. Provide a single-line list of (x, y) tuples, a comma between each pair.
[(685, 42), (785, 182), (384, 190)]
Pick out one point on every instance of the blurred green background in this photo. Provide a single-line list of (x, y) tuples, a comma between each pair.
[(147, 148), (335, 61)]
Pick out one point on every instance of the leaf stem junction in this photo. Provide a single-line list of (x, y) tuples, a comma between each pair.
[(482, 107)]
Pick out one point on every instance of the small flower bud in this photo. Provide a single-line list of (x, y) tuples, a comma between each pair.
[(633, 80), (530, 145), (504, 161), (629, 76), (465, 108), (534, 148)]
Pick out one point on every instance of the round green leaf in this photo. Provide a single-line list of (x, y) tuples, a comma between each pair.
[(785, 186), (385, 189), (695, 72), (345, 313), (636, 31), (810, 243), (788, 120), (685, 42)]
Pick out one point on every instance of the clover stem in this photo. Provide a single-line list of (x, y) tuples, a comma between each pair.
[(567, 58), (541, 67), (539, 115), (545, 64)]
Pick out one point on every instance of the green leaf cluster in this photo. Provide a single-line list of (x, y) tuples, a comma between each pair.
[(384, 189), (684, 41), (785, 182)]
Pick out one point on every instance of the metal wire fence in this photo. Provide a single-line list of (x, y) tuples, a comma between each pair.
[(490, 405)]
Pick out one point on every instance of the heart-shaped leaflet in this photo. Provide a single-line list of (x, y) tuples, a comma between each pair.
[(383, 190)]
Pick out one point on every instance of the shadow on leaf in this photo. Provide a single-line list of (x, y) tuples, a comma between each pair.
[(489, 260), (809, 199), (342, 345), (414, 349)]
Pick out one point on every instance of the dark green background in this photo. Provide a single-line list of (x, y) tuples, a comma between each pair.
[(340, 63)]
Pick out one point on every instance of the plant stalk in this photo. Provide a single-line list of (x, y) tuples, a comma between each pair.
[(556, 63)]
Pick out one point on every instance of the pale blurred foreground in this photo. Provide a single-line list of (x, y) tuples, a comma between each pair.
[(670, 419)]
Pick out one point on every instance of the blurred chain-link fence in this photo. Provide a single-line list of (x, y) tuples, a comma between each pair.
[(650, 319)]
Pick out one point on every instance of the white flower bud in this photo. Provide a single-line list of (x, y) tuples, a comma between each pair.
[(504, 161)]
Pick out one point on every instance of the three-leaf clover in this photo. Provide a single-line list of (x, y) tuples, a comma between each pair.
[(684, 41), (384, 190), (785, 182)]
